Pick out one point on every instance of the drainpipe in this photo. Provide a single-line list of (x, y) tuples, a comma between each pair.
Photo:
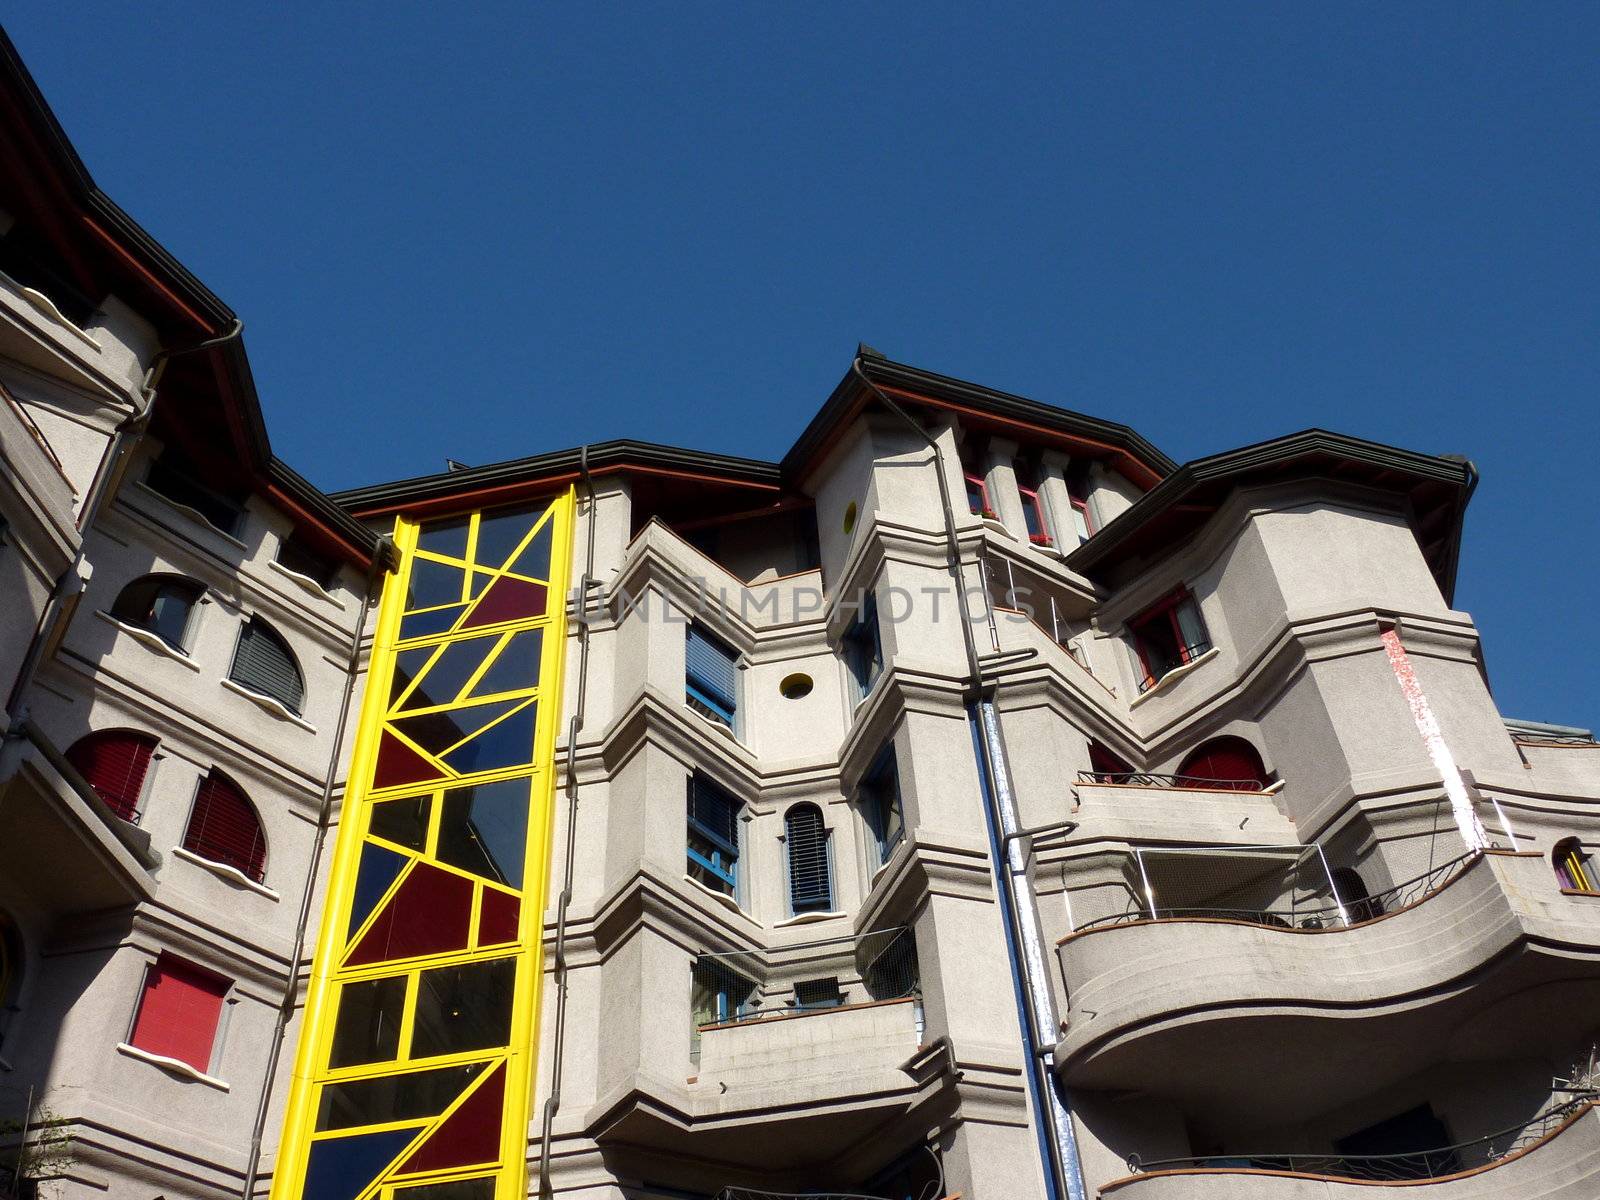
[(552, 1102), (1024, 939), (70, 584), (384, 558)]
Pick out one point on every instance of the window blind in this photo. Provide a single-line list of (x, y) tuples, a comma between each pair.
[(114, 764), (263, 663), (711, 670), (224, 828), (810, 885), (178, 1012)]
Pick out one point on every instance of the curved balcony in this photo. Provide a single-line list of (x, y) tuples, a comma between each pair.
[(1554, 1157), (1492, 959)]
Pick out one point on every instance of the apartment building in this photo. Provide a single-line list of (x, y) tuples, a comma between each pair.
[(974, 802)]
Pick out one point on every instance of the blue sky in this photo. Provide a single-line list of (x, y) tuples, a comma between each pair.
[(486, 230)]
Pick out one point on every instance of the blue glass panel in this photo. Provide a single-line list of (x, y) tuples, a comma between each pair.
[(484, 829), (535, 557), (447, 539), (426, 624), (341, 1168), (508, 744), (499, 534), (517, 666), (379, 868), (433, 583)]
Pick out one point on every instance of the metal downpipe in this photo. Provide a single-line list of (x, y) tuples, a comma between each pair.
[(1058, 1139)]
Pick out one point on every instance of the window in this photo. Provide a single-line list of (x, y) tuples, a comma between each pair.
[(810, 879), (1078, 496), (1574, 868), (863, 648), (713, 836), (1359, 904), (717, 994), (114, 764), (1032, 505), (711, 677), (12, 958), (160, 604), (1168, 636), (264, 663), (175, 477), (1107, 765), (1229, 763), (880, 804), (977, 490), (179, 1011), (295, 555), (818, 993), (224, 828), (33, 263)]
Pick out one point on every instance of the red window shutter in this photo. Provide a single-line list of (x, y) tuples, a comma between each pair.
[(115, 765), (1226, 760), (224, 828), (178, 1012)]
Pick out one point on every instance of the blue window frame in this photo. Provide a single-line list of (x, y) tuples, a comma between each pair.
[(863, 648), (880, 804), (713, 836), (810, 866), (711, 676)]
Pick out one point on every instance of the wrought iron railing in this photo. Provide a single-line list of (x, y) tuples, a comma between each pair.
[(1334, 911), (1151, 779), (1417, 1164)]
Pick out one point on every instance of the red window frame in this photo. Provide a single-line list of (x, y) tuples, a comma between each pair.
[(179, 1011), (975, 480), (1080, 504), (1167, 608), (1028, 491)]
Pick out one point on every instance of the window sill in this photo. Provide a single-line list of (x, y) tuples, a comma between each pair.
[(1566, 891), (149, 640), (715, 723), (810, 918), (1172, 676), (305, 582), (727, 902), (194, 514), (269, 705), (224, 871), (48, 307), (173, 1066)]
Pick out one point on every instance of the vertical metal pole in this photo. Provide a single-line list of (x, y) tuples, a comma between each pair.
[(1504, 823), (1149, 893), (1344, 917), (1055, 622)]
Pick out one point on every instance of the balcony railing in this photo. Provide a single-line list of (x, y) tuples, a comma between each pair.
[(1281, 887), (1417, 1164), (1152, 780)]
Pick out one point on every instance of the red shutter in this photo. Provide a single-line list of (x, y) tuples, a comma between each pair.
[(224, 828), (178, 1012), (114, 764), (1226, 760)]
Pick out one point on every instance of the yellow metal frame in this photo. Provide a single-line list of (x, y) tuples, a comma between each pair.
[(328, 974)]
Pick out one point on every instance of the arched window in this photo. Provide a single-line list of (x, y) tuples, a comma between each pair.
[(1574, 868), (161, 604), (1359, 904), (264, 663), (11, 965), (810, 880), (114, 763), (1226, 762), (224, 828)]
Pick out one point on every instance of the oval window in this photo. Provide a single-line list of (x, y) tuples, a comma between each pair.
[(795, 686)]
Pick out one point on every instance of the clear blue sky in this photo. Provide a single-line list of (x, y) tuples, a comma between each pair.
[(486, 230)]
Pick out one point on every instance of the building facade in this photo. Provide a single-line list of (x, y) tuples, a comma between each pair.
[(974, 802)]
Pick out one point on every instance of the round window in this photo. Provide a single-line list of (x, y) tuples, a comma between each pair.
[(795, 686)]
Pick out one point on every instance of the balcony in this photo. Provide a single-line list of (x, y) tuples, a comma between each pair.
[(1555, 1156), (1252, 978), (818, 1044), (1137, 806)]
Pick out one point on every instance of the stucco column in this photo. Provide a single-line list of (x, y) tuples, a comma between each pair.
[(1000, 476)]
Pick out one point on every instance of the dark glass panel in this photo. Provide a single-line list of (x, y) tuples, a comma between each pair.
[(484, 829), (443, 680), (407, 1097), (508, 744), (432, 584), (408, 665), (377, 870), (368, 1028), (463, 1008), (516, 667), (399, 764), (437, 731), (535, 557), (404, 822), (468, 1136), (499, 917), (499, 535), (507, 599), (446, 538), (341, 1168), (481, 1188), (426, 624), (430, 914)]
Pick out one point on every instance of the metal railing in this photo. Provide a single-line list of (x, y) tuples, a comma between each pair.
[(1303, 891), (1151, 779), (737, 986), (1416, 1164)]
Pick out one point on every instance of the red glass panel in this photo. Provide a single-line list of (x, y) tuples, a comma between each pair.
[(429, 914), (399, 764), (470, 1135), (498, 917), (507, 599)]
